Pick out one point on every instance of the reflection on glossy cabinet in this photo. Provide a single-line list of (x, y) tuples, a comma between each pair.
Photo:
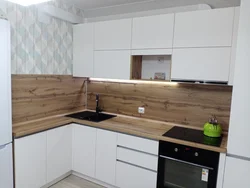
[(201, 64), (84, 147), (113, 35), (83, 50), (129, 176), (205, 28), (59, 152), (106, 156), (112, 64), (30, 161), (153, 32)]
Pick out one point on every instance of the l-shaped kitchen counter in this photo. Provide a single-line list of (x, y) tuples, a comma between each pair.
[(145, 128)]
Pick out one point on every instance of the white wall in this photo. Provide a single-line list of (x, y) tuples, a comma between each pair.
[(152, 65)]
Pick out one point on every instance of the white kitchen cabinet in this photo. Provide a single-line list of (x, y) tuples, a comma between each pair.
[(106, 156), (59, 152), (130, 176), (237, 173), (30, 161), (112, 64), (153, 32), (83, 50), (205, 28), (84, 150), (203, 64), (234, 44), (113, 35)]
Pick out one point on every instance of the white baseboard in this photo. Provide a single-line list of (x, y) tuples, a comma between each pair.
[(93, 180), (57, 180)]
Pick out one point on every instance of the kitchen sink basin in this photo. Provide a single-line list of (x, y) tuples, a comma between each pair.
[(91, 116)]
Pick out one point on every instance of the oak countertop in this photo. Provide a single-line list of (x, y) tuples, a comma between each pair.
[(124, 124)]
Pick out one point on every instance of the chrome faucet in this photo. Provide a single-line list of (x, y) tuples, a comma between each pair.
[(98, 109)]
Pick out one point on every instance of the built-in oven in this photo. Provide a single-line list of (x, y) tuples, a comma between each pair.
[(181, 166)]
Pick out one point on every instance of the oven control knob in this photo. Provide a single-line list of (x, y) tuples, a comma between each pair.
[(176, 150), (196, 154)]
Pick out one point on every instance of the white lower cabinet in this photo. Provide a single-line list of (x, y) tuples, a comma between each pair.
[(59, 152), (106, 156), (30, 161), (130, 176), (237, 173), (84, 150)]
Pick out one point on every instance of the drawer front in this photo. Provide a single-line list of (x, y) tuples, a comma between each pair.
[(129, 176), (137, 143), (138, 158)]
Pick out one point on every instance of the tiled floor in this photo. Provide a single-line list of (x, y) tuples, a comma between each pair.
[(75, 182)]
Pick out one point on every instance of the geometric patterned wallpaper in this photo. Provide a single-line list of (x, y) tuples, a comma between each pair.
[(38, 47)]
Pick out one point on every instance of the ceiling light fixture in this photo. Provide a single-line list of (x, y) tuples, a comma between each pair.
[(28, 2)]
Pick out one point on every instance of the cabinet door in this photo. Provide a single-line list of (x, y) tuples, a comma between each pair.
[(206, 64), (6, 166), (204, 28), (237, 173), (106, 156), (83, 50), (112, 64), (153, 32), (59, 152), (30, 161), (113, 35), (134, 177), (84, 146), (234, 45)]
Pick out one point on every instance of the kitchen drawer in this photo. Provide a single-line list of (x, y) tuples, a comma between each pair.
[(138, 143), (137, 158), (130, 176)]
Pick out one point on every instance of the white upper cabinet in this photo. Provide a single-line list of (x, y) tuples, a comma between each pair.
[(112, 64), (201, 64), (30, 161), (106, 156), (206, 28), (59, 152), (83, 50), (153, 32), (84, 147), (113, 35)]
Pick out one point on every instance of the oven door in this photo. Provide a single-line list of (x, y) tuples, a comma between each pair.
[(174, 173)]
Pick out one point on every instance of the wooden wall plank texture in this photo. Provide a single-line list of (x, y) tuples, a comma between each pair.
[(187, 104), (38, 96)]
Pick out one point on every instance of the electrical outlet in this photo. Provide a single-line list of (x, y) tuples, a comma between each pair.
[(141, 110)]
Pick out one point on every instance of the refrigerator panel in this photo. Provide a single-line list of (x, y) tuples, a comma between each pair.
[(5, 83), (6, 166)]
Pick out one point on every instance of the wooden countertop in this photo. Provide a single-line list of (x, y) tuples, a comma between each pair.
[(124, 124)]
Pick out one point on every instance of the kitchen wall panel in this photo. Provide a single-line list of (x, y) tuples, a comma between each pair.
[(186, 104), (38, 96), (38, 47)]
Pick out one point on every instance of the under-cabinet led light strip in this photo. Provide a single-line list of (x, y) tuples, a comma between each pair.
[(28, 2)]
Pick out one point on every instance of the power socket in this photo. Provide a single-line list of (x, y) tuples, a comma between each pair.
[(141, 110)]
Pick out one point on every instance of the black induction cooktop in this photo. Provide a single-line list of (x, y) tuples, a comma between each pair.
[(192, 135)]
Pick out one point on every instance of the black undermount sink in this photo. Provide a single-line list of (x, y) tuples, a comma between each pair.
[(91, 116)]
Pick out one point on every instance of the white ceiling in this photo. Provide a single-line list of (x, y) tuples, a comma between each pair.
[(94, 4)]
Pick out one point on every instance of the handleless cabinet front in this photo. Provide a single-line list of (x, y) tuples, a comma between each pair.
[(30, 161)]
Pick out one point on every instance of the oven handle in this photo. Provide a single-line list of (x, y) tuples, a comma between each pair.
[(185, 162)]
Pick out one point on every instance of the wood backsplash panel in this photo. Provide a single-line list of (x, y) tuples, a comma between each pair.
[(188, 104), (38, 96)]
